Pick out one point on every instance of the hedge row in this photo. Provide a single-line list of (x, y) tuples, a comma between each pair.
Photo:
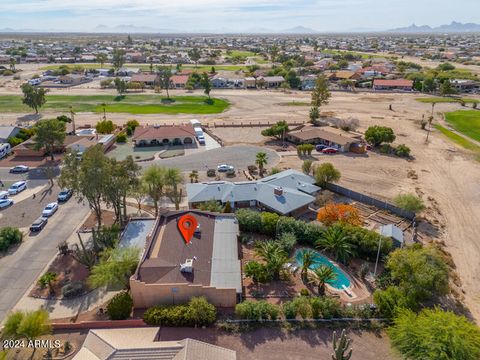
[(198, 312), (305, 307)]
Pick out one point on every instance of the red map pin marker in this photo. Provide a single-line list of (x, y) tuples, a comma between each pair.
[(187, 225)]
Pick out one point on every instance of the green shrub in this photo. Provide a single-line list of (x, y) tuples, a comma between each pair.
[(391, 299), (249, 220), (269, 222), (385, 149), (257, 310), (303, 306), (120, 307), (9, 236), (325, 307), (209, 101), (289, 310), (121, 138), (402, 150), (304, 292), (201, 312), (409, 202), (7, 72), (435, 334), (288, 240), (211, 172), (257, 272), (197, 312)]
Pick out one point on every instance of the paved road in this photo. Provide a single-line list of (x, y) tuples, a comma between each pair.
[(238, 156), (33, 174), (21, 267)]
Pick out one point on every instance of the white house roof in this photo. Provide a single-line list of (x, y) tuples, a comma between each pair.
[(297, 191)]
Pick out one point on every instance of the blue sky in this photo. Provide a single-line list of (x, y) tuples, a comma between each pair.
[(233, 15)]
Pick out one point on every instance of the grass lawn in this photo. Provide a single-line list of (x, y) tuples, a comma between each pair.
[(458, 139), (446, 100), (295, 103), (465, 121), (241, 53), (133, 104)]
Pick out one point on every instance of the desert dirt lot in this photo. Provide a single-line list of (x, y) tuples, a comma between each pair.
[(446, 176), (278, 344)]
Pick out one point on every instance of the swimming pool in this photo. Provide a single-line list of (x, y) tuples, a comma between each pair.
[(319, 259)]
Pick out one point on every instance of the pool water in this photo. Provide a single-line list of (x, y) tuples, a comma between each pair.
[(319, 259)]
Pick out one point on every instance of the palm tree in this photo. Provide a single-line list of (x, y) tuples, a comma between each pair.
[(104, 106), (261, 161), (12, 64), (173, 178), (72, 116), (308, 259), (322, 275), (48, 279), (274, 256), (193, 176), (337, 242)]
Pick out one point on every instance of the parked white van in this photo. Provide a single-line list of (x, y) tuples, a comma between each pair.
[(5, 149), (17, 187)]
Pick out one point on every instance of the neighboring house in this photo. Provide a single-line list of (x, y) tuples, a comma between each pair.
[(339, 139), (128, 71), (172, 271), (250, 82), (396, 84), (308, 82), (8, 131), (272, 82), (343, 75), (74, 142), (178, 81), (147, 79), (134, 57), (143, 343), (393, 232), (163, 135), (289, 192), (465, 86), (73, 79), (219, 82)]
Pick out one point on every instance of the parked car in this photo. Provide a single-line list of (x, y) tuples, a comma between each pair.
[(201, 140), (38, 224), (3, 194), (50, 209), (320, 147), (19, 169), (17, 187), (225, 168), (329, 150), (64, 195), (5, 203)]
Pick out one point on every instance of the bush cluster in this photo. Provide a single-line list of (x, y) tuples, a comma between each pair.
[(120, 307), (304, 307), (9, 236), (198, 312), (72, 289)]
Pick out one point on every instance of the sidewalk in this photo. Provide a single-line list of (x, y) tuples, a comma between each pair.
[(67, 308)]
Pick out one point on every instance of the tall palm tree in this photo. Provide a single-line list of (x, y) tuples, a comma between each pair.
[(104, 106), (308, 259), (274, 256), (337, 242), (173, 178), (72, 116), (261, 161), (322, 275)]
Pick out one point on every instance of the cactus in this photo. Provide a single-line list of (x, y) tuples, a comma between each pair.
[(341, 347)]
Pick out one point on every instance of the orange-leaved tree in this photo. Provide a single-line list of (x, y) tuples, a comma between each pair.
[(332, 213)]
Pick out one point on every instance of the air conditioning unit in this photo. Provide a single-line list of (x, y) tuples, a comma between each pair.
[(187, 266)]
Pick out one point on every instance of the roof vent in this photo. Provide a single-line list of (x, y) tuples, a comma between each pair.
[(278, 191)]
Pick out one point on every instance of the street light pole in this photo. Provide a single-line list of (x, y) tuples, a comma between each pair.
[(378, 257)]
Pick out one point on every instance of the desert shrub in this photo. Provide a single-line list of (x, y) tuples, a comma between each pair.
[(7, 72), (201, 312), (386, 149), (197, 312), (9, 236), (304, 292), (287, 240), (390, 300), (257, 310), (345, 213), (249, 220), (257, 272), (435, 334), (289, 310), (274, 170), (252, 168), (409, 202), (121, 138), (269, 222), (327, 307), (120, 307), (402, 150), (303, 307), (376, 135), (211, 172), (73, 289), (306, 233)]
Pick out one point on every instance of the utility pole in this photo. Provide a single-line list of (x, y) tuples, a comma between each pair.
[(378, 257)]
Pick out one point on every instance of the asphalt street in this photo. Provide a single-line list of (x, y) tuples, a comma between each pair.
[(21, 266)]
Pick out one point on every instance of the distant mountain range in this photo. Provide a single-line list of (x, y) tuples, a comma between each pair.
[(453, 27)]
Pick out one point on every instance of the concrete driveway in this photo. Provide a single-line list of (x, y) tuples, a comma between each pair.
[(21, 266), (239, 156)]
